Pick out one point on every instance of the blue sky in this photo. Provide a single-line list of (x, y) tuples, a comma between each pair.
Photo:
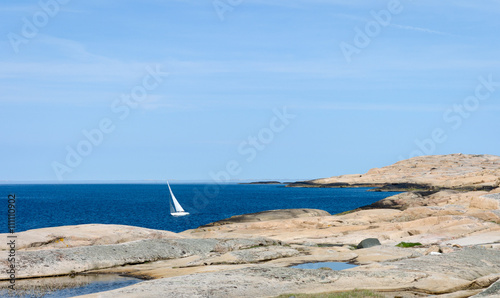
[(413, 76)]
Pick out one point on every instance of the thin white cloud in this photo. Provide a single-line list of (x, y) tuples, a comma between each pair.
[(351, 17), (375, 107), (69, 71), (71, 62), (396, 107), (159, 102), (484, 6), (17, 8), (71, 49), (300, 3), (419, 29)]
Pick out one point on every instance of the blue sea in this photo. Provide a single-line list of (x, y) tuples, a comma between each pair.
[(147, 205)]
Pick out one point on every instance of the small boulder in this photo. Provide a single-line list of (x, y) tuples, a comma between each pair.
[(433, 248), (368, 242), (445, 249)]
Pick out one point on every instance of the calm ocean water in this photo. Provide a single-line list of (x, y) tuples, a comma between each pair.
[(146, 205)]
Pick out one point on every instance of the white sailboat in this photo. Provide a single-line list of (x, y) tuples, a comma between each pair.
[(175, 208)]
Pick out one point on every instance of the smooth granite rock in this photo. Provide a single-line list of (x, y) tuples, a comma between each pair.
[(52, 262), (434, 172), (427, 274), (269, 215), (492, 291), (249, 255)]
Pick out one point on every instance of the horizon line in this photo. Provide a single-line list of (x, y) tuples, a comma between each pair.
[(145, 181)]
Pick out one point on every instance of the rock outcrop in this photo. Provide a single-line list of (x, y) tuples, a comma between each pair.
[(452, 236), (428, 274), (53, 262), (261, 183), (492, 291), (270, 215), (460, 252), (86, 235), (423, 173)]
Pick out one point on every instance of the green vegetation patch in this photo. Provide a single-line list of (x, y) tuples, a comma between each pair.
[(350, 294), (408, 244)]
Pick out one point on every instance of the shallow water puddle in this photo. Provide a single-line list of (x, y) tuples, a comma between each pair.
[(66, 286), (331, 265)]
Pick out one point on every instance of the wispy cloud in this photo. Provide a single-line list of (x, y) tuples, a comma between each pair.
[(68, 49), (395, 107), (485, 6), (351, 17), (70, 61), (17, 8), (400, 107), (305, 3), (159, 102), (419, 29)]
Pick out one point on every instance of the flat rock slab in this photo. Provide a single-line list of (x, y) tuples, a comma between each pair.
[(480, 238), (269, 215), (492, 201), (468, 263), (85, 235), (384, 253), (54, 262), (246, 256), (400, 201), (495, 196), (257, 282), (492, 291), (429, 274)]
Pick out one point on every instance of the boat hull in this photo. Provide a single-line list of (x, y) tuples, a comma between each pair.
[(179, 213)]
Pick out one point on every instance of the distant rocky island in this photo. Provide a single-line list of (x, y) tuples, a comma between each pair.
[(463, 172), (262, 182), (440, 237)]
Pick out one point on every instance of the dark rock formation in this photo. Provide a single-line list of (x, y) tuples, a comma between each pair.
[(261, 183), (368, 242)]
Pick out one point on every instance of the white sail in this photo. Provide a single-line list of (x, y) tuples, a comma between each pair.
[(172, 209), (175, 207)]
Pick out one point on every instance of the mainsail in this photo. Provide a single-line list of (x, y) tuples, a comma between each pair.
[(175, 207)]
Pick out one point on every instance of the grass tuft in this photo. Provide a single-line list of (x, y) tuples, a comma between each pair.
[(408, 244)]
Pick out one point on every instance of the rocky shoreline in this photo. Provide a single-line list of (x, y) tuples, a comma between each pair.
[(260, 183), (463, 172), (443, 242)]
